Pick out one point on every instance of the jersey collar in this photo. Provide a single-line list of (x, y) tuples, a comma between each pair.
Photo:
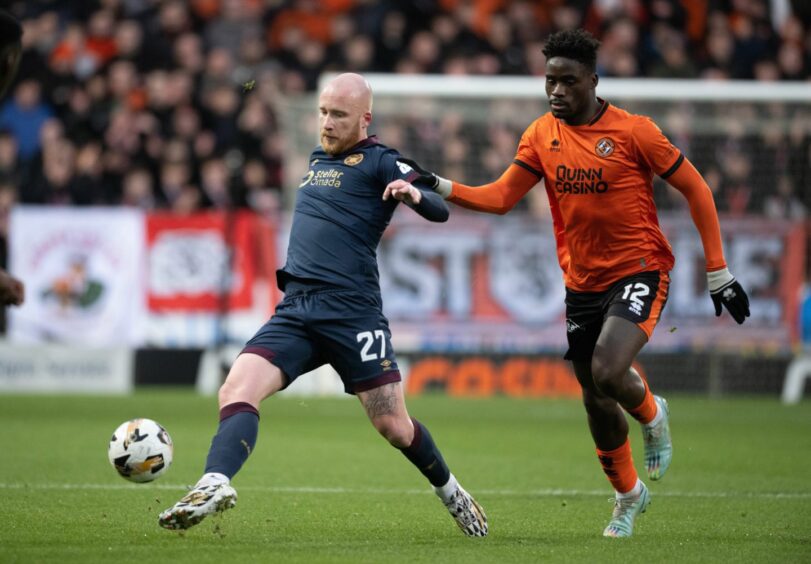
[(600, 112), (368, 142)]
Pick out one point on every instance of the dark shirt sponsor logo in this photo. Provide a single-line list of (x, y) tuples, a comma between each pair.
[(579, 180), (329, 177)]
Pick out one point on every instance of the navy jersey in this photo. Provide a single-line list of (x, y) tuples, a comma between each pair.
[(340, 216)]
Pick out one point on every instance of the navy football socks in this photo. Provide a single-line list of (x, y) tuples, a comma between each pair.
[(423, 453), (235, 439)]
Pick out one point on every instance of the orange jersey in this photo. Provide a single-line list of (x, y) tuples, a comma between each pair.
[(598, 178)]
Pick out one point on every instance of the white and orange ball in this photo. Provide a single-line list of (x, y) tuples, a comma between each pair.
[(140, 450)]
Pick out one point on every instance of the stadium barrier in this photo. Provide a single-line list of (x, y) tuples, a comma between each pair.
[(65, 369), (49, 368)]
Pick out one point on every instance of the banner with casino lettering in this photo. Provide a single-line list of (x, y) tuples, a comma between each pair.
[(484, 283)]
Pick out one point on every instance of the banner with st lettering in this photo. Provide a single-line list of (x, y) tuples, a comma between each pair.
[(485, 283)]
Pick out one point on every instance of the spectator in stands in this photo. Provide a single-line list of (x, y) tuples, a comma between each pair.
[(256, 190), (784, 203), (138, 190), (9, 172), (132, 77), (24, 115)]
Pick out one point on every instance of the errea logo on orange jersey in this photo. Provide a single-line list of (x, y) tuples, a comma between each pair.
[(604, 147)]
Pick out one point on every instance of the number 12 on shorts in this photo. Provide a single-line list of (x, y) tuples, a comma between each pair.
[(368, 338), (635, 292)]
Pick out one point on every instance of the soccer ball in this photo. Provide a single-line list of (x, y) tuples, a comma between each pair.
[(140, 450)]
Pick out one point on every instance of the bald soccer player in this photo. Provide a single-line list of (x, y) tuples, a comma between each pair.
[(332, 311), (598, 162)]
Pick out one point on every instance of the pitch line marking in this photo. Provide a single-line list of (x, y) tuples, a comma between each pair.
[(546, 492)]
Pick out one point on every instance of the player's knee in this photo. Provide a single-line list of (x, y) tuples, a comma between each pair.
[(251, 380), (229, 393), (398, 433), (238, 388), (607, 373), (597, 404)]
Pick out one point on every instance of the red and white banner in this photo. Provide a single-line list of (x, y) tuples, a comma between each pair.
[(211, 277), (200, 263), (115, 276)]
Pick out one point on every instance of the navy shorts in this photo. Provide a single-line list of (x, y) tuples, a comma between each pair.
[(639, 298), (344, 328)]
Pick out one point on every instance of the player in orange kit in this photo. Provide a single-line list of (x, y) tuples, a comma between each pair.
[(597, 162)]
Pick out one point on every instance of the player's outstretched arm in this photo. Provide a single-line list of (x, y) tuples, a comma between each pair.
[(12, 291), (496, 197), (725, 290), (427, 203)]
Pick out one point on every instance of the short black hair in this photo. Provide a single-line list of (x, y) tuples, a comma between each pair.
[(576, 44)]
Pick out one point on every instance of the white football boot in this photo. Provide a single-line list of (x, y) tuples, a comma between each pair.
[(626, 510), (468, 514), (212, 494)]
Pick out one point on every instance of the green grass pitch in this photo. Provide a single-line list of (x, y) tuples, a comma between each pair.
[(322, 486)]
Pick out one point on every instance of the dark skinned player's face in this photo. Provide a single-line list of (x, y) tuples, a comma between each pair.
[(570, 88)]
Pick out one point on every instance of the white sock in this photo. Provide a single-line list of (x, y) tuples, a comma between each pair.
[(657, 417), (445, 492), (635, 491), (213, 478)]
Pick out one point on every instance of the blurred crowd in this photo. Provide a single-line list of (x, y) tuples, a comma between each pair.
[(173, 104)]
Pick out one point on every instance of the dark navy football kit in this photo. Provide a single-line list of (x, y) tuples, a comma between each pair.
[(332, 312)]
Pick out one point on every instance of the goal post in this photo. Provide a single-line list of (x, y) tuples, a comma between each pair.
[(441, 86)]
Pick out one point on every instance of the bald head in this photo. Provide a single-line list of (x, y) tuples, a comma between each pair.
[(345, 112), (352, 87)]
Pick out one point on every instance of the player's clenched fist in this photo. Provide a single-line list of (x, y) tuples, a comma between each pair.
[(726, 291), (401, 190)]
